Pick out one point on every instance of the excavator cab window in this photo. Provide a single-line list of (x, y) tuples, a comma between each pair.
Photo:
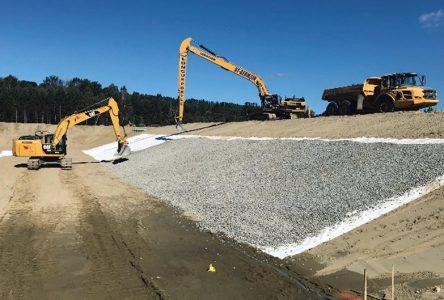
[(276, 99), (47, 138), (63, 144)]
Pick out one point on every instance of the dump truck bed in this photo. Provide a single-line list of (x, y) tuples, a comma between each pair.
[(349, 92)]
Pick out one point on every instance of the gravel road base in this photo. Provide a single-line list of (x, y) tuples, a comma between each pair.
[(270, 193)]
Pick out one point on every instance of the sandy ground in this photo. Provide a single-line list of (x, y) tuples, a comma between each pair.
[(411, 238), (394, 125), (86, 234)]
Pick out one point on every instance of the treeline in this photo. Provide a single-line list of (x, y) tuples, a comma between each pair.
[(28, 102)]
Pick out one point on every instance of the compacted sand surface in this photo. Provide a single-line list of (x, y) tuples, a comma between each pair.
[(86, 233), (393, 125)]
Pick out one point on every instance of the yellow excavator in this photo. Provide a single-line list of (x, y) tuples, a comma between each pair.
[(273, 107), (50, 148)]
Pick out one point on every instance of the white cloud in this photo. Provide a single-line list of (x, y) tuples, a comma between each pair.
[(433, 19), (279, 75)]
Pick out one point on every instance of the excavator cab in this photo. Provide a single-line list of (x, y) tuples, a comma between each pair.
[(276, 99), (271, 101), (46, 137)]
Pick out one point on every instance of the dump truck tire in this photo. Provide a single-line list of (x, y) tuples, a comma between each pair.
[(332, 109), (345, 108), (386, 105)]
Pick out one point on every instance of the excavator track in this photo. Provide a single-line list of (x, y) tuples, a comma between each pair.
[(66, 163), (34, 163)]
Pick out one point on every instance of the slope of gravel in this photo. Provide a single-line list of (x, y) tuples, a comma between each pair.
[(269, 193)]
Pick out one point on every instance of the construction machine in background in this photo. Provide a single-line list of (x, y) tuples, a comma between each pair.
[(51, 148), (273, 106), (399, 91)]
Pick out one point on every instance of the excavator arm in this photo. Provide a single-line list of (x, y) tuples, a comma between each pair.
[(111, 107), (210, 56)]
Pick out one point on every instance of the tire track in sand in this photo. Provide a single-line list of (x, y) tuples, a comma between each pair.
[(115, 270), (56, 243), (22, 246)]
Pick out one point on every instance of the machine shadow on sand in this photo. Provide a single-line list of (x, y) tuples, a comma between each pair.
[(48, 165), (166, 137), (45, 166)]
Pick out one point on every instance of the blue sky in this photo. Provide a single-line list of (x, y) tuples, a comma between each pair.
[(298, 48)]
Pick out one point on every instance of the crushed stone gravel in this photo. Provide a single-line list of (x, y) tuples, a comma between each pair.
[(275, 192)]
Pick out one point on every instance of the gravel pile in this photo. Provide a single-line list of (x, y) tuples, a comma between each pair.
[(269, 193)]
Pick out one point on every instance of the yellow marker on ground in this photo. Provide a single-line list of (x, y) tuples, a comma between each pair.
[(211, 268)]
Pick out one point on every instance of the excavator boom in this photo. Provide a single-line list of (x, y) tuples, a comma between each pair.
[(268, 101), (111, 107), (222, 62)]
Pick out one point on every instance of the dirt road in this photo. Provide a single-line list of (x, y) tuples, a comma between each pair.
[(85, 234)]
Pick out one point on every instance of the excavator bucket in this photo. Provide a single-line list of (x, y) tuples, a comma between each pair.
[(122, 149), (180, 127)]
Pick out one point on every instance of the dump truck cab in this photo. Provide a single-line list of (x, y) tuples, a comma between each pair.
[(407, 91)]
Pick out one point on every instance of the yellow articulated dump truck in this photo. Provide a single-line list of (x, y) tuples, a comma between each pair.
[(388, 93)]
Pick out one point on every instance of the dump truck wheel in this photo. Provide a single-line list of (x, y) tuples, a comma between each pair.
[(344, 108), (332, 109), (386, 105)]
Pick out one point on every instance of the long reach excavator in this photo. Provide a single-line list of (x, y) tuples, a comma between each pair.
[(273, 106), (50, 148)]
